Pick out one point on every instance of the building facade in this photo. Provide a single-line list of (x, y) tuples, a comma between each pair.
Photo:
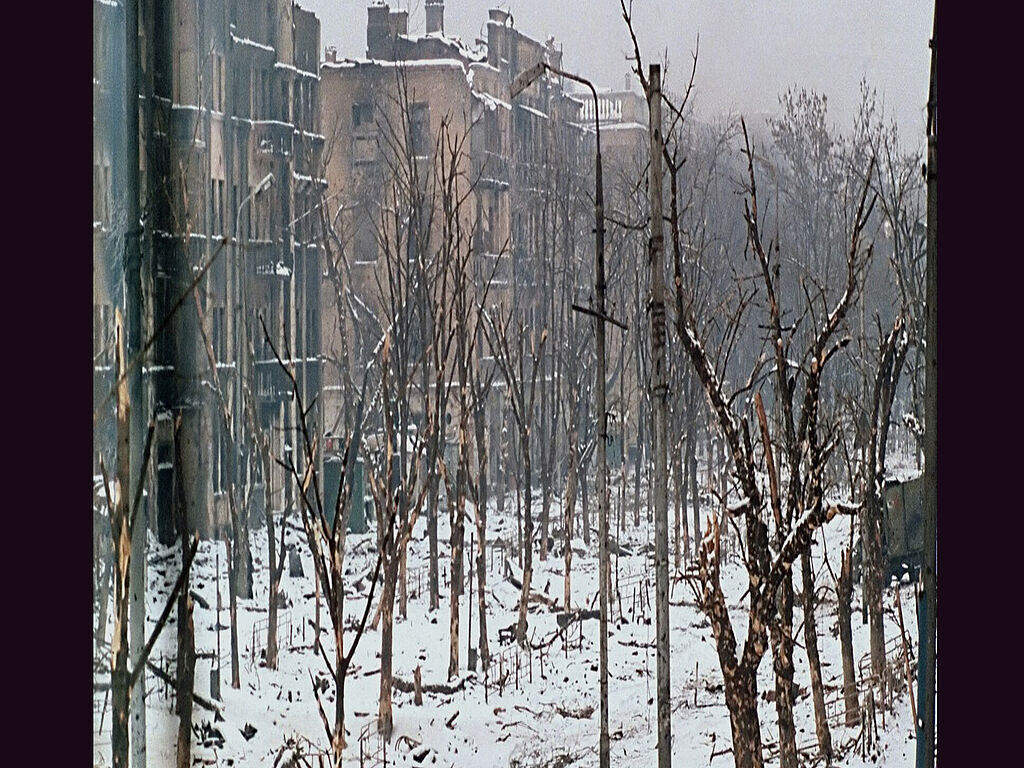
[(229, 134), (526, 165)]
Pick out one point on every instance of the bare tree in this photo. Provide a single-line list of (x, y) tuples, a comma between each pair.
[(123, 518), (392, 490), (326, 540), (521, 397), (186, 656), (275, 551), (892, 352), (797, 516)]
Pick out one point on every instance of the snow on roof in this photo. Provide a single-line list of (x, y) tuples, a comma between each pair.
[(291, 67), (490, 101), (349, 63), (533, 111), (484, 65), (470, 52), (246, 41)]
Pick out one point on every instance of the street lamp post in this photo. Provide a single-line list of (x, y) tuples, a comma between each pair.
[(241, 346), (518, 85)]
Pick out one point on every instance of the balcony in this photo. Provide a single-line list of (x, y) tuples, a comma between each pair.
[(185, 125), (272, 382), (272, 137), (264, 258), (491, 169)]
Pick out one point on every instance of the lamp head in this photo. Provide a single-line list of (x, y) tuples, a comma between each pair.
[(525, 79), (265, 183)]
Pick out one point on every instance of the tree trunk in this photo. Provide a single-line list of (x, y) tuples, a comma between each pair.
[(741, 699), (782, 652), (844, 590), (186, 671), (338, 740), (119, 673), (481, 533), (385, 721), (682, 537), (519, 520), (581, 476), (570, 503), (403, 592), (481, 596), (691, 462), (243, 564), (186, 661), (272, 569), (873, 581), (457, 543), (814, 662), (104, 592), (119, 686), (545, 459), (527, 541), (432, 576), (638, 469), (233, 613)]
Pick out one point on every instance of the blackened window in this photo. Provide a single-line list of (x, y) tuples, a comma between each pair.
[(419, 129), (362, 116), (219, 336)]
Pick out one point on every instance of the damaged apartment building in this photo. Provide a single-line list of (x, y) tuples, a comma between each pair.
[(526, 165), (248, 145), (230, 149)]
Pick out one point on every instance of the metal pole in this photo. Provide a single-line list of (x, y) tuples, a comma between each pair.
[(133, 313), (469, 631), (926, 723), (520, 83), (602, 442), (659, 393)]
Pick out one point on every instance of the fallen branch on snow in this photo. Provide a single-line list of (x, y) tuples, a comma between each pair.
[(408, 687), (204, 703)]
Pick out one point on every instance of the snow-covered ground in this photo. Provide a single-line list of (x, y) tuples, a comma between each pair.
[(554, 708)]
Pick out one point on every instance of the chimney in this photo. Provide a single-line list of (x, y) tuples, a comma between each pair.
[(378, 30), (331, 54), (435, 16), (399, 21), (496, 35)]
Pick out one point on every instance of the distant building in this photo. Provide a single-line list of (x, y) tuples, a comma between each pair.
[(528, 160)]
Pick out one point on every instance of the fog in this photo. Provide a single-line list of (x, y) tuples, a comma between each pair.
[(750, 51)]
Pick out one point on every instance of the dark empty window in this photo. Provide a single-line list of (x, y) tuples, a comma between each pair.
[(419, 129), (219, 336), (364, 241), (362, 116)]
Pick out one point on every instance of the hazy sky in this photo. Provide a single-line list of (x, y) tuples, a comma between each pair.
[(750, 50)]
